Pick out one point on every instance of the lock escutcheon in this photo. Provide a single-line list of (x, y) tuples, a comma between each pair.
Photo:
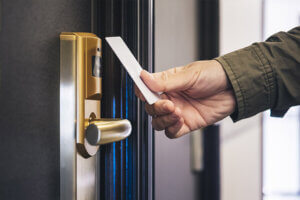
[(91, 130)]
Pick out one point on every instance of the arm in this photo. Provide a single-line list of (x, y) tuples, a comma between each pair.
[(265, 75), (242, 83)]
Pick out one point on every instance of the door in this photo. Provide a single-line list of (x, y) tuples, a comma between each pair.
[(29, 93), (30, 107)]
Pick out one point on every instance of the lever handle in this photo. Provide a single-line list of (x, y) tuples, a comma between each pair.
[(103, 131)]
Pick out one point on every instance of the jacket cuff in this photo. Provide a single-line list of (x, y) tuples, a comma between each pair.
[(252, 80)]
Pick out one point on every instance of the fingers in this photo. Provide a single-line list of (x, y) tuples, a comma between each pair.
[(173, 79), (161, 107), (166, 117), (174, 130), (164, 121), (173, 124)]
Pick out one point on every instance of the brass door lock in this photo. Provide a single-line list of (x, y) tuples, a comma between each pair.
[(83, 52)]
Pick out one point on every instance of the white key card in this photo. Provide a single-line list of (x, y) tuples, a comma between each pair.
[(132, 66)]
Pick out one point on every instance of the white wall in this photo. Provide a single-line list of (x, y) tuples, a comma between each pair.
[(240, 25)]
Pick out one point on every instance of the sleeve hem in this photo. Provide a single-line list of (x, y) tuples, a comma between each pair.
[(240, 100), (269, 76)]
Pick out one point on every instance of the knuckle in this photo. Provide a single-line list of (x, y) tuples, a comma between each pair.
[(170, 135), (157, 107), (154, 125), (148, 109), (164, 76)]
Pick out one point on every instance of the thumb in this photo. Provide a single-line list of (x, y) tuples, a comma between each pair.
[(175, 79)]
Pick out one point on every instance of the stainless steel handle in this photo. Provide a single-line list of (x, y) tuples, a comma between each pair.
[(103, 131)]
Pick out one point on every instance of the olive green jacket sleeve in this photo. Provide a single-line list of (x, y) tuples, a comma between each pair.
[(265, 75)]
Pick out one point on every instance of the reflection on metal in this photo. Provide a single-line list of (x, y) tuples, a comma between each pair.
[(86, 178), (77, 174), (149, 12), (91, 106), (67, 118), (80, 95), (196, 150), (105, 131)]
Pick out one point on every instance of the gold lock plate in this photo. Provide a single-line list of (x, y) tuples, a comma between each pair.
[(88, 84), (82, 52), (85, 49)]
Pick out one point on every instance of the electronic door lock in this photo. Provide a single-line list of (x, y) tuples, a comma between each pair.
[(83, 52)]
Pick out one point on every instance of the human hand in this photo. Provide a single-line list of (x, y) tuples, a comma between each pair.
[(194, 96)]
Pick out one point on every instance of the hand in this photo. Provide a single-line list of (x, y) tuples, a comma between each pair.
[(194, 96)]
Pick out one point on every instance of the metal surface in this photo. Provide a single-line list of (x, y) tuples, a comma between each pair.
[(85, 178), (86, 47), (67, 116), (150, 65), (110, 130), (77, 174), (80, 96)]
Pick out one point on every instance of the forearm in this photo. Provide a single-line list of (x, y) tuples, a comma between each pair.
[(265, 75)]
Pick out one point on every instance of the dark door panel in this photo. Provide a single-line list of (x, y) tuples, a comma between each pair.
[(29, 93)]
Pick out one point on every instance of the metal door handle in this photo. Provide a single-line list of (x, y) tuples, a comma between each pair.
[(103, 131)]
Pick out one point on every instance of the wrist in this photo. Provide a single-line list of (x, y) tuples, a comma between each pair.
[(221, 76)]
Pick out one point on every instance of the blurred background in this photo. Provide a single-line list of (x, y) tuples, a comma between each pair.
[(259, 156)]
